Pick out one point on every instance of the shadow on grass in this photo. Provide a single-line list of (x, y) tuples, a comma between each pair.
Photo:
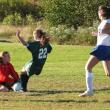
[(50, 92), (66, 101), (5, 41), (107, 101), (52, 101), (47, 92), (102, 89)]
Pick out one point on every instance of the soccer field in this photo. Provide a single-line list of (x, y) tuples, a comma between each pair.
[(59, 84)]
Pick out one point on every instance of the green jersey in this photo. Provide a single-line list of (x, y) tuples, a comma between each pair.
[(39, 56)]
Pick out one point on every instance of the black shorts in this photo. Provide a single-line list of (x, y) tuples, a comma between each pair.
[(32, 69)]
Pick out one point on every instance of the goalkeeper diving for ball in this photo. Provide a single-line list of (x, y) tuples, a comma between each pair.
[(39, 49)]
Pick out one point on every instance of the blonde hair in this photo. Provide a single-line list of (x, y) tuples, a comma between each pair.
[(42, 35)]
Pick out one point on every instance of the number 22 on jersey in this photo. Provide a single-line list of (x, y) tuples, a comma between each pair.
[(42, 53)]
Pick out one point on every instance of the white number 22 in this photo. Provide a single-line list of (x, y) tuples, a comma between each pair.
[(42, 53)]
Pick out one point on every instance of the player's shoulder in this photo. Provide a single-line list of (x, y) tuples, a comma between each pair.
[(34, 43), (9, 64)]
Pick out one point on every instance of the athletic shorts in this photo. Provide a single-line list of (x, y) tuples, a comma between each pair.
[(101, 52), (31, 69)]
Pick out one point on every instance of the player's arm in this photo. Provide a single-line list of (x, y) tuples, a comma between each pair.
[(13, 73), (20, 38), (106, 29)]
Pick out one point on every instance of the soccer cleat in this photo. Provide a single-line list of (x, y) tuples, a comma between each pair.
[(86, 93)]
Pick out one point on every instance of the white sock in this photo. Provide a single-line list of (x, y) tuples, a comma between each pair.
[(89, 81)]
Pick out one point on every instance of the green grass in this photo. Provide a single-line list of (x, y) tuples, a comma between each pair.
[(60, 82)]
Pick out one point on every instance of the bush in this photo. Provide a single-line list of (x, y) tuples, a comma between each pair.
[(61, 33), (61, 12), (23, 7), (72, 12), (15, 19), (30, 20), (83, 36), (68, 35)]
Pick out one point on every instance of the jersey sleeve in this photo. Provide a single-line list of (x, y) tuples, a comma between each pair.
[(13, 73), (49, 48), (30, 46)]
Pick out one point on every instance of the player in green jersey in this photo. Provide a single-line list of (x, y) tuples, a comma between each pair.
[(39, 50)]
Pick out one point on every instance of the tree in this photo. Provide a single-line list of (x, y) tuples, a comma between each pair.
[(72, 12)]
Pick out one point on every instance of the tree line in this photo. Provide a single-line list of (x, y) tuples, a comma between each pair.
[(68, 12)]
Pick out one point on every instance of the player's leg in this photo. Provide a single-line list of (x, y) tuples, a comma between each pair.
[(25, 74), (92, 61), (106, 66), (24, 80)]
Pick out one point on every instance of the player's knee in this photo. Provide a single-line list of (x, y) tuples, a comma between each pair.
[(23, 75), (23, 72), (87, 68), (108, 74)]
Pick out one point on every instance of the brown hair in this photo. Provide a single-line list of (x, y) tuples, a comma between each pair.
[(46, 37), (1, 61), (106, 11), (1, 56), (43, 35), (40, 31), (3, 53)]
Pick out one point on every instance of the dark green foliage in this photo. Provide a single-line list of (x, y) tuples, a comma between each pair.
[(14, 19), (69, 21), (23, 7), (72, 12)]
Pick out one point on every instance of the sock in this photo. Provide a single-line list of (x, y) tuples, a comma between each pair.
[(89, 81), (24, 80)]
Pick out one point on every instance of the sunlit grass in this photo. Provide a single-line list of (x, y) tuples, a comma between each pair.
[(61, 81)]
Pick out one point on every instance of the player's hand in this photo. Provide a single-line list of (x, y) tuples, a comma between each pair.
[(94, 33), (18, 33)]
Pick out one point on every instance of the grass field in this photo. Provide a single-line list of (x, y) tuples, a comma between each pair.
[(61, 81)]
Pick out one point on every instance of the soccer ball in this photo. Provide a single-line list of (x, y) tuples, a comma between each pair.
[(17, 86)]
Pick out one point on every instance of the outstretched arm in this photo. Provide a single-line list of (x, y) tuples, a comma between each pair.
[(20, 38), (13, 73)]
